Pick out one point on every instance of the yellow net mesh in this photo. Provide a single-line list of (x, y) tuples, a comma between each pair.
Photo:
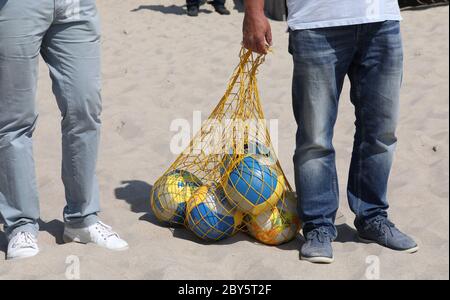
[(229, 178)]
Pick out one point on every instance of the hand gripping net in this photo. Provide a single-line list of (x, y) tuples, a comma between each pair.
[(229, 178)]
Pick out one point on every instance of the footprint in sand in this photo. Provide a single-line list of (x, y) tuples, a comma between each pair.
[(128, 129)]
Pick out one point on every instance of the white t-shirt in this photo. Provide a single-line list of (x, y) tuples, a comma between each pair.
[(307, 14)]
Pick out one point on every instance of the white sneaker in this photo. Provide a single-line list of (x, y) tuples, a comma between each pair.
[(22, 245), (98, 233)]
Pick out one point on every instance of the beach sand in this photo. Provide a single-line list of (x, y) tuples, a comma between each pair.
[(159, 65)]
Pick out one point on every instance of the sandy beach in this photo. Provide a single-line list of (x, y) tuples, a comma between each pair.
[(159, 65)]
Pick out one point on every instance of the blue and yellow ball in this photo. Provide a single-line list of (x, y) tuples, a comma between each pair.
[(278, 225), (254, 185), (210, 216), (170, 194), (249, 148)]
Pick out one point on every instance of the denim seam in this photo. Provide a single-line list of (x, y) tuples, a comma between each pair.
[(360, 160), (64, 95)]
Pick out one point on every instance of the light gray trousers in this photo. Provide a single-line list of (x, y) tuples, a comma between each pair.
[(66, 34)]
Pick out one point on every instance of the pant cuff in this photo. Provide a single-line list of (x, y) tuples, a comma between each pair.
[(82, 222), (32, 228)]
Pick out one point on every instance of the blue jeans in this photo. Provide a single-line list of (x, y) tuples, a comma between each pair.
[(371, 56)]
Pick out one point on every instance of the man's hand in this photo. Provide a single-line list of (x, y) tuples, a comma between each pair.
[(257, 34)]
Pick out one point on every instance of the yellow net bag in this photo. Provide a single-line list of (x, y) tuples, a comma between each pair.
[(229, 178)]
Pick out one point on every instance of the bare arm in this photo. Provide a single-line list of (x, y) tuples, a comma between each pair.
[(257, 34)]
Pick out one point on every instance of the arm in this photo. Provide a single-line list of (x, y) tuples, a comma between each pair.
[(257, 34)]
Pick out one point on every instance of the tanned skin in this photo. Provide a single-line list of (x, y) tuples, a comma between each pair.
[(257, 34)]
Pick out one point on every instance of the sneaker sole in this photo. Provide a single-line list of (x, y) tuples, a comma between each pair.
[(318, 260), (68, 239), (410, 251), (24, 255)]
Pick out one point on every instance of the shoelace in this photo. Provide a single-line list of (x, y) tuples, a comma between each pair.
[(105, 230), (320, 234), (24, 240), (381, 225)]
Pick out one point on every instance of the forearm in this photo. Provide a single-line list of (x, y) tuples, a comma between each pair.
[(256, 28), (254, 6)]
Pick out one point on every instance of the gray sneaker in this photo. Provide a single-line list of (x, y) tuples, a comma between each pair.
[(317, 248), (382, 231)]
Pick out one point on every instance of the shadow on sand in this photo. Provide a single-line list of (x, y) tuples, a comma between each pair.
[(181, 10), (346, 234), (55, 228), (3, 242), (168, 10)]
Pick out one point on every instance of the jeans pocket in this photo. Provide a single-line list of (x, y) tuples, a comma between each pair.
[(290, 46)]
